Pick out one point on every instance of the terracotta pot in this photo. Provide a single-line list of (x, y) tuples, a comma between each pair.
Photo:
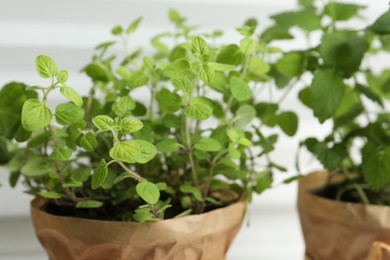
[(205, 236), (341, 230)]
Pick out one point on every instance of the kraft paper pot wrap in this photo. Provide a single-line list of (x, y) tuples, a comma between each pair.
[(205, 236), (341, 230)]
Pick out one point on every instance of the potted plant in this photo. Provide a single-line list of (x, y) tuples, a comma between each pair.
[(159, 160), (343, 210)]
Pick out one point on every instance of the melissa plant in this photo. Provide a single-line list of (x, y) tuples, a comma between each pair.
[(194, 140), (349, 88)]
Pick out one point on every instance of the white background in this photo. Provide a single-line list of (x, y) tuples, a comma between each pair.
[(69, 30)]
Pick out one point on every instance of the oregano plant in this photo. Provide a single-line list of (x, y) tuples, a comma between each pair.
[(349, 88), (199, 136)]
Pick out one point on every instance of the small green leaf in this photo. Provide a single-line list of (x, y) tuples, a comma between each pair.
[(46, 67), (62, 76), (234, 153), (96, 72), (247, 45), (195, 191), (72, 95), (382, 24), (288, 122), (168, 102), (50, 195), (231, 54), (221, 67), (61, 154), (342, 11), (208, 145), (200, 49), (244, 115), (291, 64), (148, 191), (124, 106), (103, 123), (376, 166), (176, 17), (258, 66), (68, 113), (35, 115), (127, 151), (88, 141), (240, 89), (183, 84), (199, 109), (89, 204), (133, 26), (99, 174), (131, 125), (168, 145), (264, 182), (205, 72), (117, 30), (327, 91), (177, 69), (148, 151), (81, 174)]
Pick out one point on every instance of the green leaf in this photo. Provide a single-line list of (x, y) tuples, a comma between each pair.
[(36, 167), (137, 79), (35, 115), (208, 145), (89, 204), (195, 191), (99, 174), (124, 106), (199, 109), (61, 154), (221, 66), (240, 89), (96, 72), (248, 45), (382, 24), (258, 66), (233, 152), (205, 72), (68, 113), (131, 125), (177, 53), (46, 67), (327, 91), (117, 30), (342, 11), (288, 122), (331, 157), (177, 69), (244, 115), (72, 95), (103, 123), (231, 54), (62, 76), (148, 151), (264, 182), (168, 101), (343, 50), (148, 191), (88, 141), (276, 32), (127, 151), (291, 64), (246, 31), (183, 84), (50, 195), (133, 26), (168, 145), (80, 174), (306, 19), (376, 166), (176, 17), (200, 49)]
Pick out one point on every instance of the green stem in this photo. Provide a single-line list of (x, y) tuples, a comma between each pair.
[(133, 174)]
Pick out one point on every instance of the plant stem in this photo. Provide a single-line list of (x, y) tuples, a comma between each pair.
[(133, 174), (189, 150)]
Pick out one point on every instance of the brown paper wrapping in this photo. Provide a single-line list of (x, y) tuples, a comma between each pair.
[(205, 236), (339, 230)]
